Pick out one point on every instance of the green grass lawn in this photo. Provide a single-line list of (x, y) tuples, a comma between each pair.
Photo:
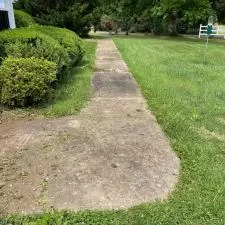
[(188, 99), (74, 89)]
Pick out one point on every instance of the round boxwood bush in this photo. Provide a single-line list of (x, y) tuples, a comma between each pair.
[(58, 45), (67, 39), (23, 19), (25, 81), (27, 42)]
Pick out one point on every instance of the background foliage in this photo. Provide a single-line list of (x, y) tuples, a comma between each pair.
[(23, 19), (158, 16), (74, 15)]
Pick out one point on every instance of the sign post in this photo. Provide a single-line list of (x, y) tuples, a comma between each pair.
[(209, 32)]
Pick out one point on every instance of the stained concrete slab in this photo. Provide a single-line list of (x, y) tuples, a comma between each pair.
[(116, 88), (112, 155), (111, 65), (108, 55), (111, 76)]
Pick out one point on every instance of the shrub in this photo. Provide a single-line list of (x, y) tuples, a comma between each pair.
[(25, 81), (68, 39), (27, 42), (108, 23), (60, 46), (23, 19)]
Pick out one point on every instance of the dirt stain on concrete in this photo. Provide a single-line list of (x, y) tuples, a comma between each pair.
[(112, 155)]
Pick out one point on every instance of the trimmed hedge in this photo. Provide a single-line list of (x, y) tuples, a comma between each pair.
[(26, 81), (53, 44), (23, 19), (68, 39), (27, 42)]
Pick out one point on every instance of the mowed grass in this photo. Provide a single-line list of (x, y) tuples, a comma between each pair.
[(74, 89), (188, 99)]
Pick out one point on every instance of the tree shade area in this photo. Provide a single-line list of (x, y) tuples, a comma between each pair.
[(157, 16)]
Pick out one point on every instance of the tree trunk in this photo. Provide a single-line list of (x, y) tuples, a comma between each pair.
[(174, 23)]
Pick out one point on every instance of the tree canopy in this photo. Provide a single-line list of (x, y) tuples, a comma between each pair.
[(158, 16), (76, 15)]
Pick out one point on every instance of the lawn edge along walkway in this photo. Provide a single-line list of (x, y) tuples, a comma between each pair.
[(113, 155)]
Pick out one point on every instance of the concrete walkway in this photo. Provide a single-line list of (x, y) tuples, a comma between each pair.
[(111, 156)]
